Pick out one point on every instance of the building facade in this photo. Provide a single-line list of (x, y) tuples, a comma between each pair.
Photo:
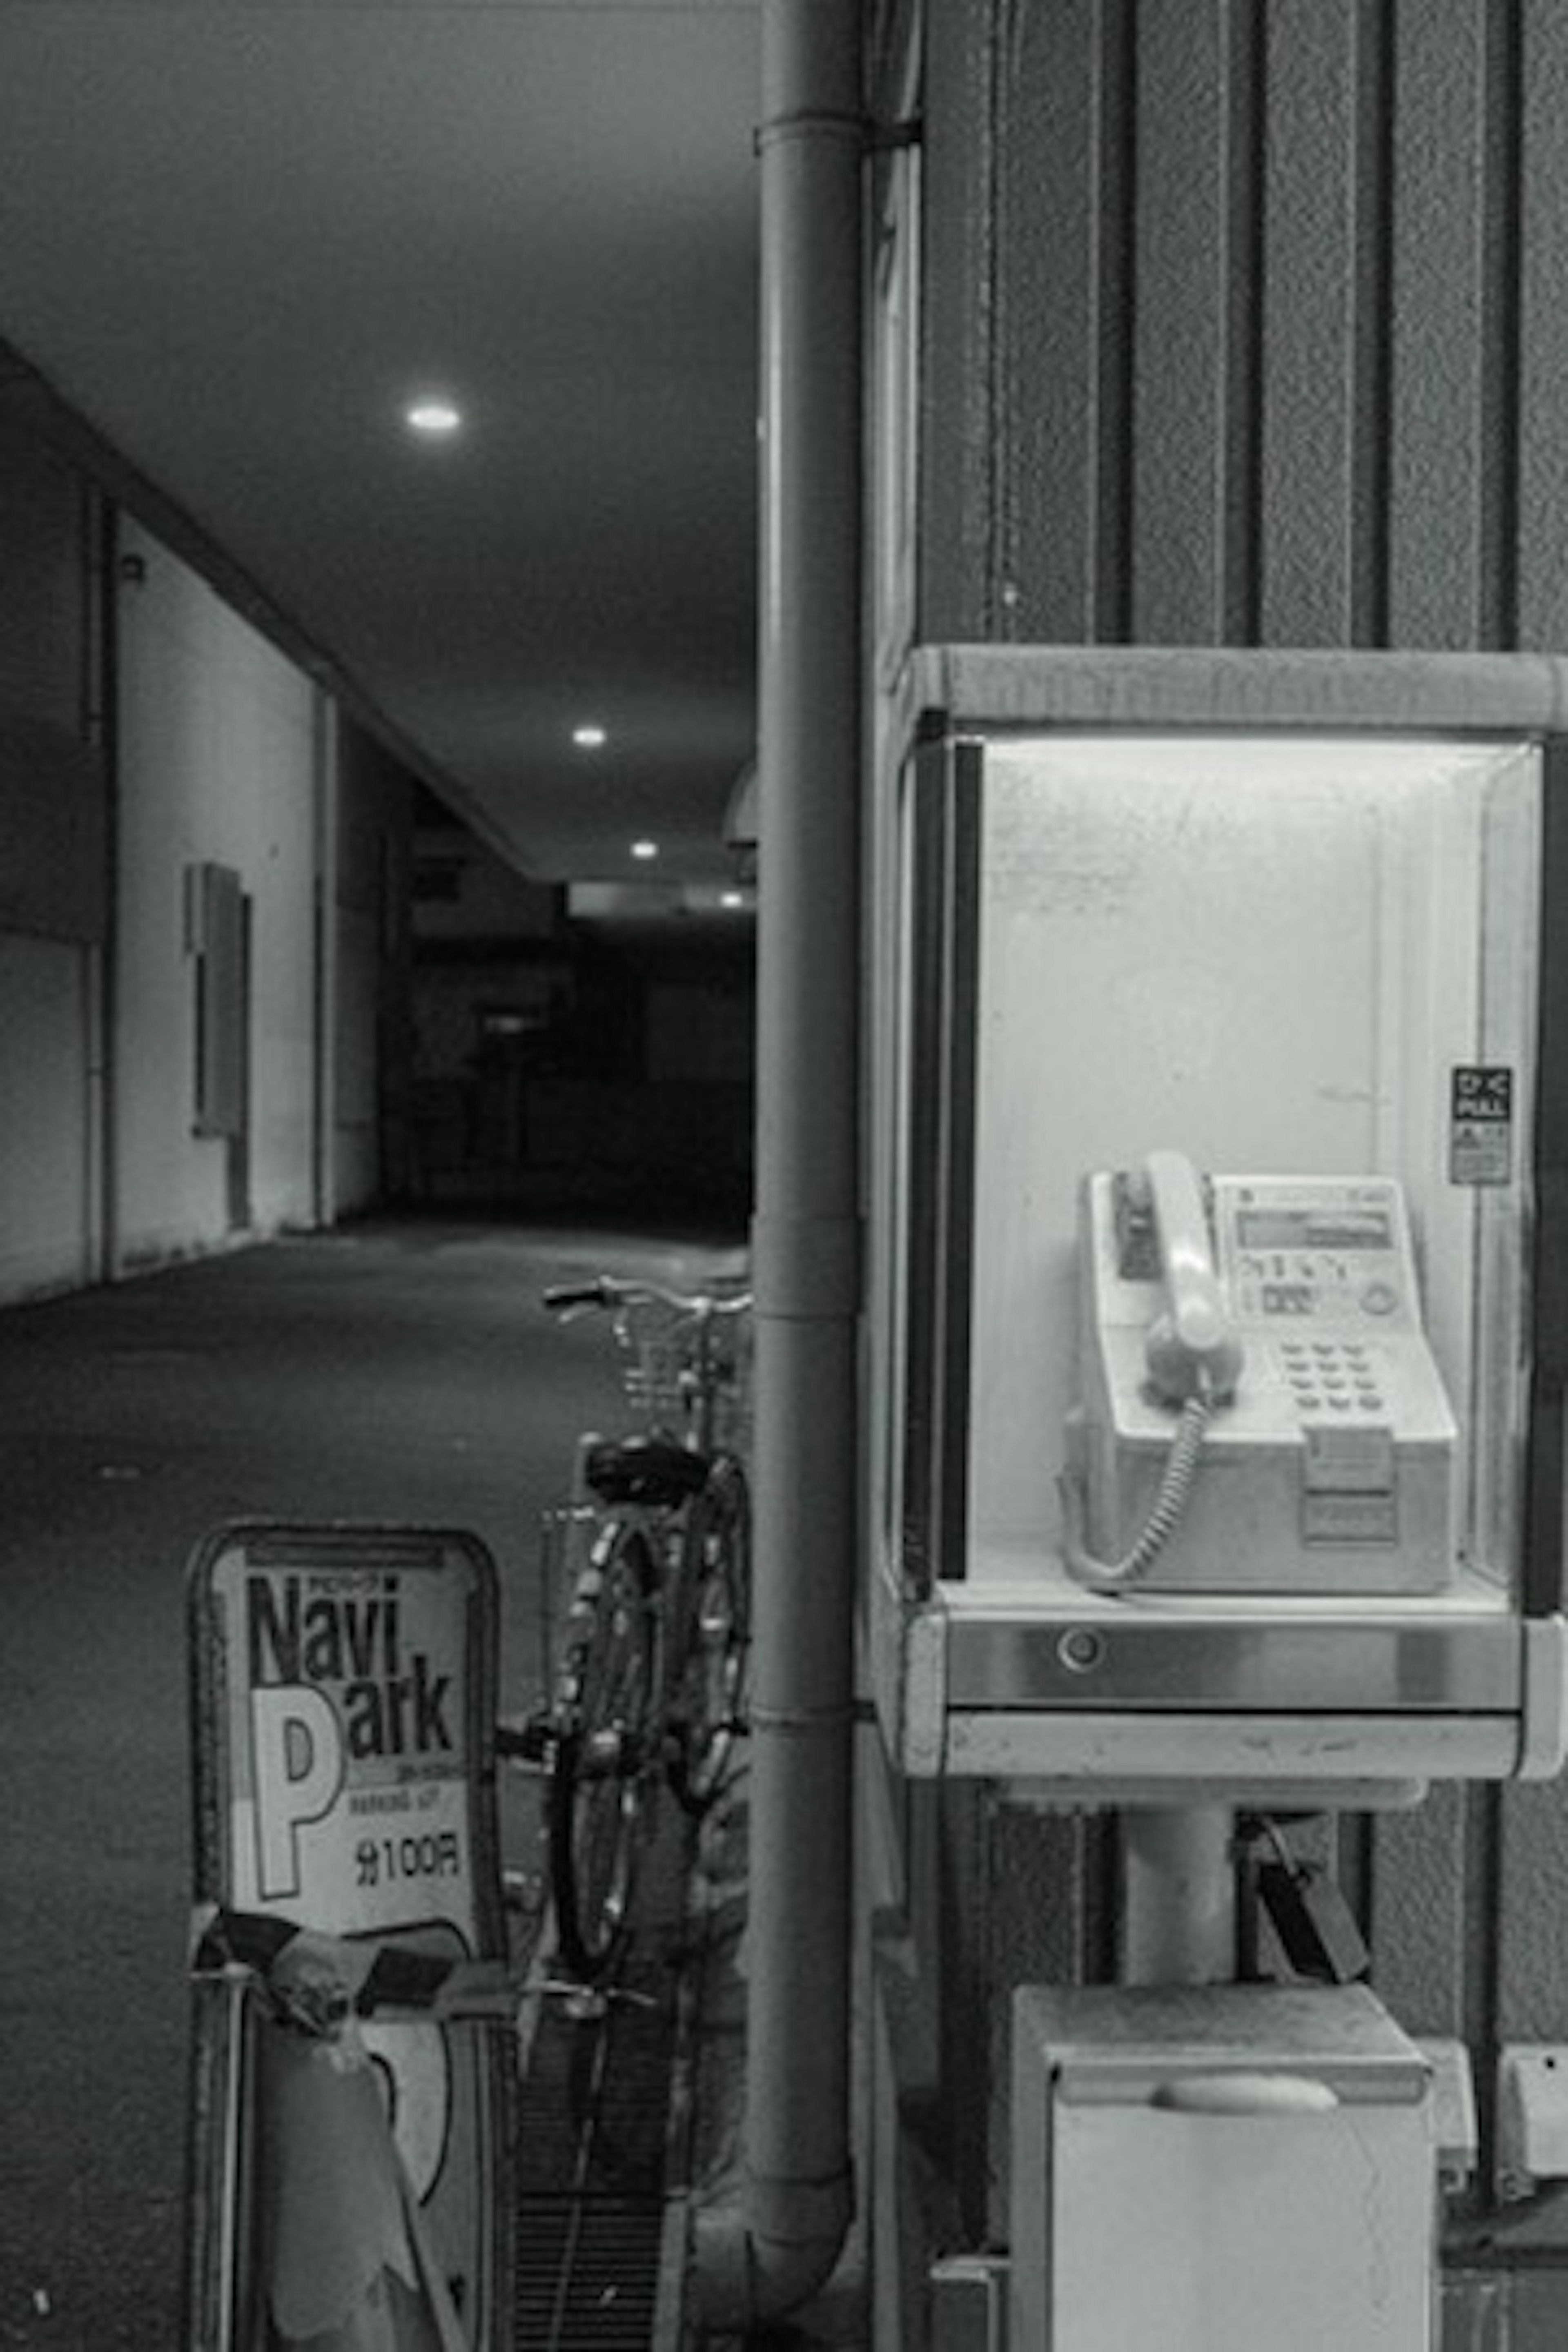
[(203, 911), (1199, 324)]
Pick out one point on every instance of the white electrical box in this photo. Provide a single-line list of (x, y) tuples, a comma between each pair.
[(1219, 2169)]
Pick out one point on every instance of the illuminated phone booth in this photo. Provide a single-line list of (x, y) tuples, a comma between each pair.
[(1223, 1277)]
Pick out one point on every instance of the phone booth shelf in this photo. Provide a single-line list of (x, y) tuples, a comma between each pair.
[(1218, 994)]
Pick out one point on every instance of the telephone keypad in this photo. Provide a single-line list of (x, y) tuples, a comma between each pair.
[(1332, 1376)]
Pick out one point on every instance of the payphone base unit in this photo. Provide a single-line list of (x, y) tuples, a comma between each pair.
[(1016, 1673), (1353, 1515), (1327, 1463)]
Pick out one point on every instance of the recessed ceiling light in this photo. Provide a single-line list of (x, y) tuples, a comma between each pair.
[(645, 849), (731, 899), (589, 738), (434, 417)]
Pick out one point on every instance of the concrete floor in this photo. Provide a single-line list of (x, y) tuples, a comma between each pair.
[(395, 1371)]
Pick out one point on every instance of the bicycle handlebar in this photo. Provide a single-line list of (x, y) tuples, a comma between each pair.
[(562, 1297), (607, 1290)]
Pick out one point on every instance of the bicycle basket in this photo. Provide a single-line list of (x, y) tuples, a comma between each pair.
[(733, 1396), (659, 1347), (655, 1346)]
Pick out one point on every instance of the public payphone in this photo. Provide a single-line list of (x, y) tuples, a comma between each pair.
[(1261, 1410), (1223, 1111)]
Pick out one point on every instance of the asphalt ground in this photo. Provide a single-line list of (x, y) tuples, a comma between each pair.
[(396, 1371)]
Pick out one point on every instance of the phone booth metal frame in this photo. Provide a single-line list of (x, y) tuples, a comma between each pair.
[(1026, 1676)]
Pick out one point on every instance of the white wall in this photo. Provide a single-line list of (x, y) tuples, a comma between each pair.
[(219, 751), (218, 761)]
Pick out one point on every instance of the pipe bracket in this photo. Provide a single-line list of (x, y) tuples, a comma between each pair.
[(803, 1722), (812, 122)]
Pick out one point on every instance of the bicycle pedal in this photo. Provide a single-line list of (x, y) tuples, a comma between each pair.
[(587, 2004), (584, 2004), (523, 1890)]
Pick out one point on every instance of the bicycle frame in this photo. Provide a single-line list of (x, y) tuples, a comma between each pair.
[(657, 1619)]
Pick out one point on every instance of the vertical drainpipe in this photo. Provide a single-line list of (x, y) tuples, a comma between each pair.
[(765, 2254)]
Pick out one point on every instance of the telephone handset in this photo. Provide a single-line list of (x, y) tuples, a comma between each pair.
[(1259, 1408), (1192, 1349)]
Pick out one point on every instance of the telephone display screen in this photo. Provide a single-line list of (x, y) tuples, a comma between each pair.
[(1309, 1229)]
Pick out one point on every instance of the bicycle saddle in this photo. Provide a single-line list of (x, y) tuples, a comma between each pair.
[(644, 1470)]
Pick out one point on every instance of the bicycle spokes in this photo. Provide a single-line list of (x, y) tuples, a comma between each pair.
[(712, 1638), (596, 1780)]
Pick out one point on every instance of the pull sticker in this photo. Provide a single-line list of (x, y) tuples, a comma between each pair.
[(1481, 1124)]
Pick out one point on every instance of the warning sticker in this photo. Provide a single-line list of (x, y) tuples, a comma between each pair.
[(1481, 1124)]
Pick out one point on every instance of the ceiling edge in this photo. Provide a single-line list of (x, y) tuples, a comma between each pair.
[(28, 398)]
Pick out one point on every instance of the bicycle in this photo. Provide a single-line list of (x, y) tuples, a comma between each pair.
[(651, 1673)]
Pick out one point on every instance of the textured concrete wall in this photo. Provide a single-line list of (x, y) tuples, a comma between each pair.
[(225, 758), (224, 753), (1249, 325), (218, 764)]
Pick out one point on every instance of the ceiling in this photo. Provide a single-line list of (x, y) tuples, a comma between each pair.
[(239, 237)]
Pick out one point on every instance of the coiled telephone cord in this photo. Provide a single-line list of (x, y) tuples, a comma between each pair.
[(1165, 1516)]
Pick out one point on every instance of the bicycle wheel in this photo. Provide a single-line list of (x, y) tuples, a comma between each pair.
[(594, 1795), (708, 1682)]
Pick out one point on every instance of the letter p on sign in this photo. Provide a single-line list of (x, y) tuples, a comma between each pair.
[(297, 1751)]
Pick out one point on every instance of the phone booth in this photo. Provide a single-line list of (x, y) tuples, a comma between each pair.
[(1223, 1289)]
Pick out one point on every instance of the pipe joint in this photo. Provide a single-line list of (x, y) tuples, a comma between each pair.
[(807, 1269), (750, 2264), (803, 1722), (814, 123)]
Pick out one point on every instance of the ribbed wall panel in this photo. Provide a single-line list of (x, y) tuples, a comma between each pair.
[(1176, 414), (1540, 402), (1312, 332), (1448, 326), (1246, 322), (957, 434)]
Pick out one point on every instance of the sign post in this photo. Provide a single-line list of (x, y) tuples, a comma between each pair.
[(347, 2165)]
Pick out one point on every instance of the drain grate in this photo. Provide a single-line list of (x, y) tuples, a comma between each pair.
[(588, 2274), (595, 2124)]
